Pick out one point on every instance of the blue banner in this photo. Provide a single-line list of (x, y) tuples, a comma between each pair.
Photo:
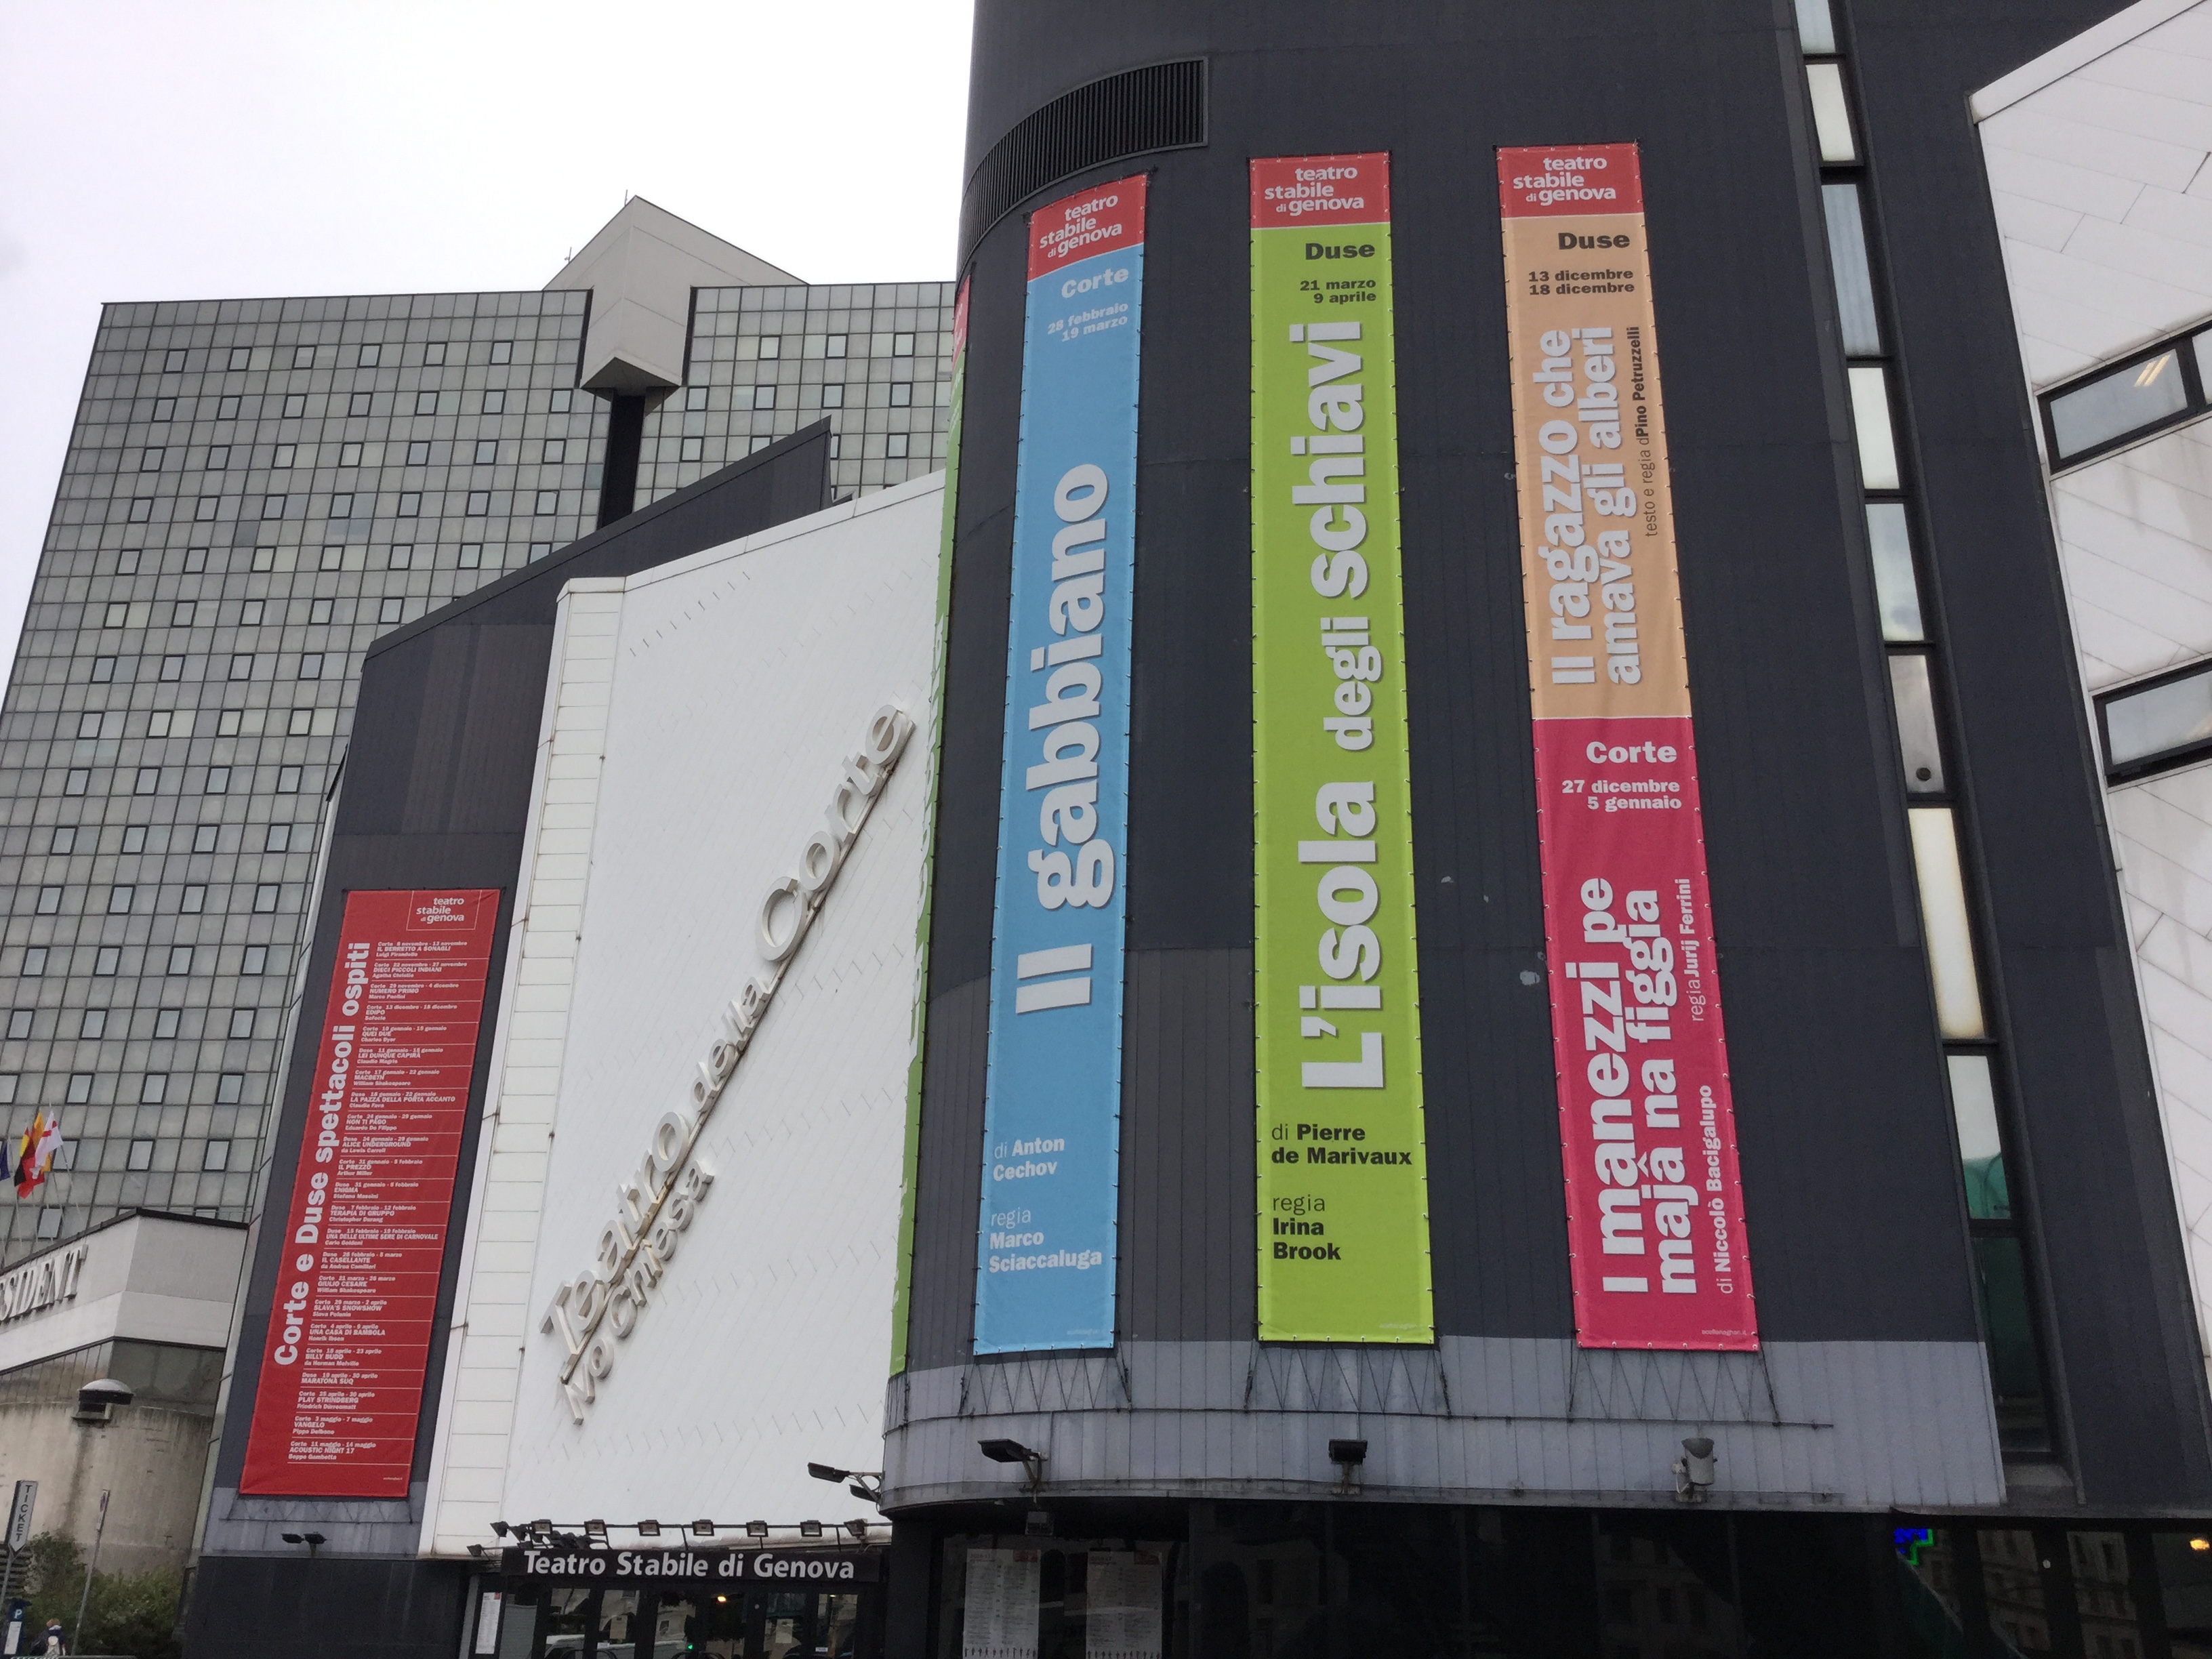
[(1045, 1256)]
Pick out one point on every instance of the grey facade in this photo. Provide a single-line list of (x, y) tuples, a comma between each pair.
[(1922, 1355), (255, 490)]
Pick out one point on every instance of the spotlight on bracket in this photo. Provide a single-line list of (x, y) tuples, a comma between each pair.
[(1694, 1470), (1012, 1451), (1347, 1455)]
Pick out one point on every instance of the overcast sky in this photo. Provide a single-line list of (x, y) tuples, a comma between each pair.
[(157, 149)]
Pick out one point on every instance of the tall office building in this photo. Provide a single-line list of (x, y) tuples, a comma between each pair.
[(254, 490)]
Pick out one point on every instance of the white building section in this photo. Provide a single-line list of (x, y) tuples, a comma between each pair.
[(2100, 158), (701, 721)]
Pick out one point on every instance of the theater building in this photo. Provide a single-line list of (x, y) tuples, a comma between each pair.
[(1430, 961)]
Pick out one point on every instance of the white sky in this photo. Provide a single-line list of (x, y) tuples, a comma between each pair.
[(219, 148)]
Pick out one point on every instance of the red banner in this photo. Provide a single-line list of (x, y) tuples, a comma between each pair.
[(356, 1294), (1655, 1205)]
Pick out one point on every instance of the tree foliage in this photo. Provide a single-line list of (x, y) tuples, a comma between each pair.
[(133, 1613)]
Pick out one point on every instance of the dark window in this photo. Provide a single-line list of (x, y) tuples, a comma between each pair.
[(50, 900), (487, 451), (502, 351), (272, 507), (287, 780), (833, 397), (894, 446), (539, 550), (265, 898), (230, 1087), (426, 403), (172, 668), (34, 962), (833, 345), (165, 409), (311, 666), (495, 403), (549, 501), (300, 722), (279, 839), (902, 394), (556, 450), (401, 555), (241, 666), (388, 610), (763, 397), (19, 1025), (182, 613), (118, 899), (902, 345), (205, 508), (152, 1087), (152, 460), (691, 449), (418, 453), (333, 558), (214, 1157), (318, 611), (256, 960), (106, 961), (2157, 724), (694, 398), (103, 670), (369, 354), (341, 507), (180, 958), (410, 503), (471, 555), (241, 357), (218, 780), (148, 780), (561, 401), (165, 1022), (218, 458), (226, 409), (141, 1156), (142, 510), (303, 356), (2151, 390), (434, 355), (479, 503), (202, 839), (250, 613), (195, 560), (295, 405), (173, 363), (357, 404)]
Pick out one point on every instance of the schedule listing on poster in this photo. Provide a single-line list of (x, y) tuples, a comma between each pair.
[(343, 1368), (1647, 1124)]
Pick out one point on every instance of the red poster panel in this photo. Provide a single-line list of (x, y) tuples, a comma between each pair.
[(1655, 1206), (350, 1329)]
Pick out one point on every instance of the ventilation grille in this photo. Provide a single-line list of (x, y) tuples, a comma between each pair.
[(1161, 108)]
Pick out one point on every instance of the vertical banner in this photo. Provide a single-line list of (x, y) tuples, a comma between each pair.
[(910, 1154), (350, 1329), (1655, 1206), (1343, 1215), (1052, 1111)]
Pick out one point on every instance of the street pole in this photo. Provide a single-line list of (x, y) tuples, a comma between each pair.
[(76, 1631)]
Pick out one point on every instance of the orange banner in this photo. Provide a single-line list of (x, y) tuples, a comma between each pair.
[(1655, 1205)]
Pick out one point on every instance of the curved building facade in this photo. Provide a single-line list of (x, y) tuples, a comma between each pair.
[(1446, 1353)]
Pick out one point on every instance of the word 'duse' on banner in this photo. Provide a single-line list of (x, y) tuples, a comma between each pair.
[(342, 1371), (1051, 1097), (1343, 1186), (1655, 1206)]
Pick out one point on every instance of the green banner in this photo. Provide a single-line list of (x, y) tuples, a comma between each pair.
[(1344, 1207), (910, 1156)]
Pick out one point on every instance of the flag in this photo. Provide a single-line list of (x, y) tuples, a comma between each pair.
[(36, 1158)]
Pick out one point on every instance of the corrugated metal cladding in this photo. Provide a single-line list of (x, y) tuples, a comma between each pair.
[(1871, 1388), (435, 794)]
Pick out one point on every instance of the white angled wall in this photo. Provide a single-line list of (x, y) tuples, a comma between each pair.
[(697, 720), (2100, 157)]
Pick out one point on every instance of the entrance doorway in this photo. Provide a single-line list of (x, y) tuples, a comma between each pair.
[(739, 1621)]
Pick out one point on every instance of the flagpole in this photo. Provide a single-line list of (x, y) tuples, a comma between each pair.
[(76, 1631)]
